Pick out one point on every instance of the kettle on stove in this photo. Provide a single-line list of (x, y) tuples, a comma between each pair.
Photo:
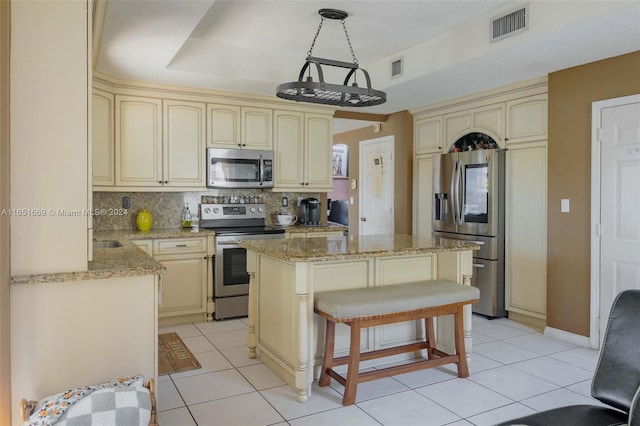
[(310, 211)]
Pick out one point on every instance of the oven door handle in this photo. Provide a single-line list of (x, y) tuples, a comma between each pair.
[(227, 243)]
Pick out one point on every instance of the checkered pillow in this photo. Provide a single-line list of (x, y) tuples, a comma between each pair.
[(129, 406)]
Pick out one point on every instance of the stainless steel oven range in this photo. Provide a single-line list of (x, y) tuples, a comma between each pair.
[(233, 223)]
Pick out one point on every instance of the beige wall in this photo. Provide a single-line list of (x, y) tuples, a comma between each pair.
[(5, 347), (571, 92), (399, 125)]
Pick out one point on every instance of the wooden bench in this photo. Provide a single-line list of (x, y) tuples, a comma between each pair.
[(371, 306)]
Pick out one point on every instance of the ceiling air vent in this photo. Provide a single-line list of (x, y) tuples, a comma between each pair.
[(396, 68), (510, 24)]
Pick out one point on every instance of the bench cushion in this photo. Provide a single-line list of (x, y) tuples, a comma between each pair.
[(370, 301)]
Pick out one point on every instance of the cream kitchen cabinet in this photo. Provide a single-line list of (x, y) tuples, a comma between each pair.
[(238, 127), (303, 151), (184, 284), (138, 131), (159, 143), (183, 144), (422, 195), (526, 230), (103, 139), (488, 119), (428, 135), (526, 119)]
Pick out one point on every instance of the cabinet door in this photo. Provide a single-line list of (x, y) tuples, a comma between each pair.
[(527, 119), (257, 128), (223, 126), (423, 196), (183, 285), (526, 230), (428, 135), (289, 150), (456, 125), (490, 120), (184, 135), (319, 148), (138, 141), (103, 167)]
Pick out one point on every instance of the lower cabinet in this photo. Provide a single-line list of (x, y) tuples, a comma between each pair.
[(184, 284)]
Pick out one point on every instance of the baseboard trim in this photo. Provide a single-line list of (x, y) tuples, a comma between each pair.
[(565, 336)]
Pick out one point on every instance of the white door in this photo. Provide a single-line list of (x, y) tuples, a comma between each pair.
[(376, 186), (619, 263)]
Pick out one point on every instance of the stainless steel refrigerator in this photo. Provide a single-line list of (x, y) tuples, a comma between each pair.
[(469, 205)]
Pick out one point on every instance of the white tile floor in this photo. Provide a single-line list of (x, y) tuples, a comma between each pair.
[(515, 370)]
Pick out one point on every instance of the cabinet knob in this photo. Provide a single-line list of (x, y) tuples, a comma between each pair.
[(160, 182), (166, 181), (363, 219)]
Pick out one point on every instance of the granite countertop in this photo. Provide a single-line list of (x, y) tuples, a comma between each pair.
[(345, 248), (325, 227), (126, 261)]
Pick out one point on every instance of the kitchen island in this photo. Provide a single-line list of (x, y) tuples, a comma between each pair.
[(285, 274)]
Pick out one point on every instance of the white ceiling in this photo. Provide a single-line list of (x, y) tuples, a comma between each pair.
[(251, 46)]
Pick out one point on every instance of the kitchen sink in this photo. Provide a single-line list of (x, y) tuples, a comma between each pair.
[(106, 244)]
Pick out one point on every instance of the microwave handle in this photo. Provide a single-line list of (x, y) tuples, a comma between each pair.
[(261, 170)]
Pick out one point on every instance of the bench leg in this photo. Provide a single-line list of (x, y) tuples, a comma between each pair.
[(430, 337), (351, 386), (327, 362), (463, 369)]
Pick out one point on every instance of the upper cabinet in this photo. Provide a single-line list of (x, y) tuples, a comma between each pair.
[(138, 141), (527, 119), (302, 151), (150, 140), (159, 143), (428, 135), (489, 120), (183, 144), (239, 127), (103, 139)]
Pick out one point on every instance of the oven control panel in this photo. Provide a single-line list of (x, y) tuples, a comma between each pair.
[(232, 211)]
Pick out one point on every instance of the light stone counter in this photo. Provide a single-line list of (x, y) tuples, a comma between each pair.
[(328, 227), (285, 274), (126, 261), (345, 248)]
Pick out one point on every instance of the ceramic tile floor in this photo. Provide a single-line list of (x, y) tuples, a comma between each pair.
[(515, 370)]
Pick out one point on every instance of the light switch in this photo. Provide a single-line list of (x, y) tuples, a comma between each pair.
[(564, 205), (351, 200)]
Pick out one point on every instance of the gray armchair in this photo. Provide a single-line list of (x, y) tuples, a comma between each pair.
[(616, 381)]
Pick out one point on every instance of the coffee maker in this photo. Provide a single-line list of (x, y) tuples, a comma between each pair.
[(310, 211)]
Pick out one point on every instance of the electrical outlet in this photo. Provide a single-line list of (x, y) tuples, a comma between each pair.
[(285, 201), (354, 184), (299, 201), (126, 202)]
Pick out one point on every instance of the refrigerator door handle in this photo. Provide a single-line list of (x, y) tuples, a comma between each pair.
[(478, 265), (454, 193), (458, 196)]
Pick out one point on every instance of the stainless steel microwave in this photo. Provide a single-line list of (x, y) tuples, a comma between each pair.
[(239, 168)]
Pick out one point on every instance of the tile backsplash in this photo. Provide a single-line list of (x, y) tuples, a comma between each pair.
[(166, 207)]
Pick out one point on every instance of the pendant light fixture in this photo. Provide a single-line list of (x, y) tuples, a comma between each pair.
[(348, 94)]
